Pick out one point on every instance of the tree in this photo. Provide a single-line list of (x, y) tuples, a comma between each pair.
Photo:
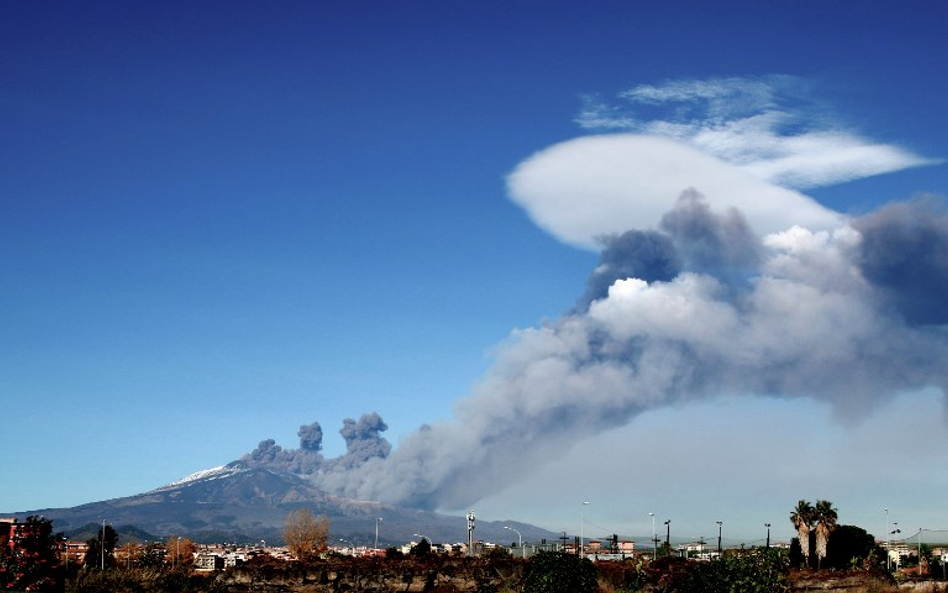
[(152, 556), (29, 562), (850, 546), (556, 572), (306, 535), (180, 551), (101, 549), (128, 553), (422, 548), (825, 516), (802, 519)]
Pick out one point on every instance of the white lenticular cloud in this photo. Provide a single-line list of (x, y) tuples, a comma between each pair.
[(768, 127), (592, 186)]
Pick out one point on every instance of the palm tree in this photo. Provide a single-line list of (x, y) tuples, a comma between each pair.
[(802, 517), (825, 516)]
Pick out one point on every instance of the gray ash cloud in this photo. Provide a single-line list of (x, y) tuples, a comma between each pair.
[(904, 252), (363, 442), (697, 308)]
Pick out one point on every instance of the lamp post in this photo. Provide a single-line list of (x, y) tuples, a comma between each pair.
[(377, 521), (519, 541), (919, 552), (582, 524), (654, 539), (898, 557), (767, 525), (350, 544), (719, 536), (887, 538), (668, 531)]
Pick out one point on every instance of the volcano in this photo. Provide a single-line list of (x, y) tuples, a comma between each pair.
[(237, 503)]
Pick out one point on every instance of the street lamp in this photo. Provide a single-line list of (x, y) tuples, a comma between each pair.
[(719, 536), (582, 524), (920, 552), (519, 541), (654, 539), (377, 521), (887, 544), (668, 531), (102, 545), (767, 525), (898, 557)]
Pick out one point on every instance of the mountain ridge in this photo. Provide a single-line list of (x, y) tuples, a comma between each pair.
[(235, 503)]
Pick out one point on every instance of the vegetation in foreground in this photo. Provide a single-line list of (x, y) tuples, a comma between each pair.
[(826, 556)]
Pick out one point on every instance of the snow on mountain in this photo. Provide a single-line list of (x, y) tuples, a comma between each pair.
[(214, 473)]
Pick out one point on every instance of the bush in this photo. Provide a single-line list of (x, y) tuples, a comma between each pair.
[(555, 572), (761, 571)]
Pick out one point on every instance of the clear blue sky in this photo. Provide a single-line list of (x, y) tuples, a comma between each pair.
[(223, 220)]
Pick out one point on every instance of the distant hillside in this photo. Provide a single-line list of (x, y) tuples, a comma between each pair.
[(234, 503)]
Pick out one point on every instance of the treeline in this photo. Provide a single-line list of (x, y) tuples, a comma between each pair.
[(32, 563), (761, 570)]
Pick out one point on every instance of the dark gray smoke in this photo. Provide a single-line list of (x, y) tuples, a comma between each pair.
[(904, 252), (692, 239), (311, 437), (363, 442), (649, 255), (724, 246), (833, 316)]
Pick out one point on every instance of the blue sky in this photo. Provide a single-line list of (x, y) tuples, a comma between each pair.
[(222, 221)]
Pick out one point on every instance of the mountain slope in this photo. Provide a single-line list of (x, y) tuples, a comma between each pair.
[(233, 503)]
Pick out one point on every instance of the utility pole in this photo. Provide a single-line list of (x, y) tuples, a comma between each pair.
[(767, 525), (719, 536)]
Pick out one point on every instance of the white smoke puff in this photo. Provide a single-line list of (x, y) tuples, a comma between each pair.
[(820, 258), (688, 308), (592, 186)]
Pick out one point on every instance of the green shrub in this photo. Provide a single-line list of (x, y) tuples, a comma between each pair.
[(555, 572), (760, 571)]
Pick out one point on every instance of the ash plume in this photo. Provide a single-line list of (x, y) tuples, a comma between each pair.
[(692, 237), (904, 252), (699, 308), (363, 442)]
